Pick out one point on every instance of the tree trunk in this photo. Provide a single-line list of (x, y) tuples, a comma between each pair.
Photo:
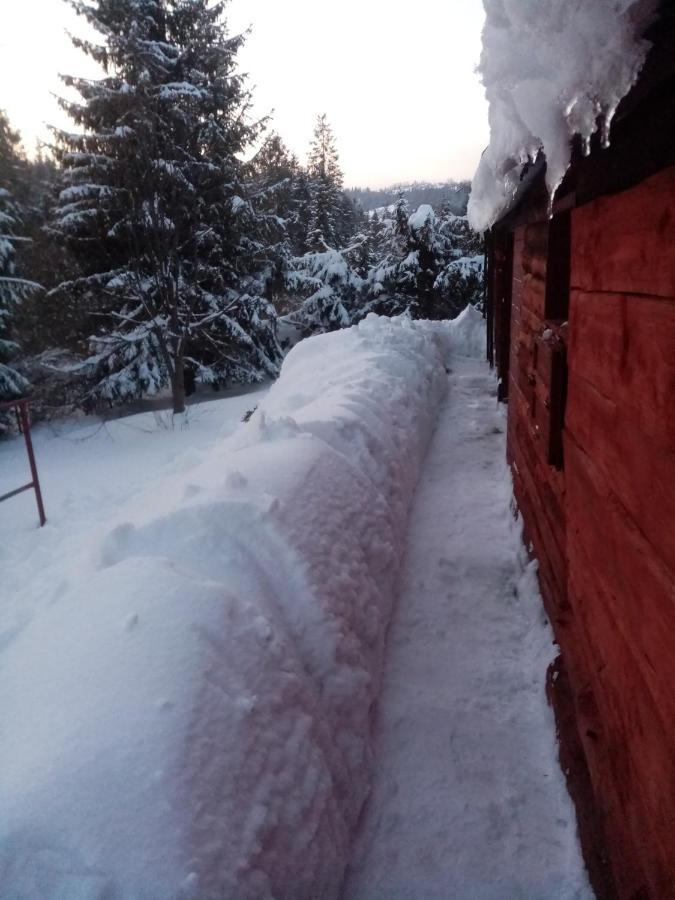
[(178, 385)]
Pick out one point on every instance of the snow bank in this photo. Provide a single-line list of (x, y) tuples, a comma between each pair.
[(190, 716), (551, 69), (463, 336)]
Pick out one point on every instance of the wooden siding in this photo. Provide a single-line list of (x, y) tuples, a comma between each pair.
[(603, 526), (539, 489), (620, 506)]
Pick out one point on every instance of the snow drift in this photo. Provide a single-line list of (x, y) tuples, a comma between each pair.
[(551, 69), (190, 717)]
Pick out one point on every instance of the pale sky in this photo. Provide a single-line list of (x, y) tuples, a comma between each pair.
[(396, 79)]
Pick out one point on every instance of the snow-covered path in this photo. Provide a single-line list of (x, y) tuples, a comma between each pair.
[(468, 800)]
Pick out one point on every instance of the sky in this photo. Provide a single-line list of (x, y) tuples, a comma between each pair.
[(396, 79)]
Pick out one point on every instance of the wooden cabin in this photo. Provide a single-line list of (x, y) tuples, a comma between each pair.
[(581, 321)]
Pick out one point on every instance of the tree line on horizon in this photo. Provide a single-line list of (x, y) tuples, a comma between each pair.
[(454, 195), (147, 251)]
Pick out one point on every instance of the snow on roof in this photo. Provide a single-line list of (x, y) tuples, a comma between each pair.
[(551, 69)]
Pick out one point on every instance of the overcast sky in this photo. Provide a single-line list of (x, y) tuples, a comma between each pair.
[(395, 78)]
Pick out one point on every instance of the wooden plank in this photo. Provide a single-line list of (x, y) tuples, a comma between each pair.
[(543, 537), (534, 296), (607, 552), (624, 243), (640, 471), (624, 603), (625, 347)]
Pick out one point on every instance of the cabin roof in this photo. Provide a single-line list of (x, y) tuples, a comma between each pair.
[(641, 140), (609, 56)]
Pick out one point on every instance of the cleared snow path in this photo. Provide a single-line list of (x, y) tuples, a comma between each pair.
[(468, 800)]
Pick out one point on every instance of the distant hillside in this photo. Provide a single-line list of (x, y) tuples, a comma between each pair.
[(455, 192)]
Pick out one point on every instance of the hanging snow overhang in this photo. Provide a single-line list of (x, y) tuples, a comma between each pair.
[(551, 73)]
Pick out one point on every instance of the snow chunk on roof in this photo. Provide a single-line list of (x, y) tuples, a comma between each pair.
[(551, 69)]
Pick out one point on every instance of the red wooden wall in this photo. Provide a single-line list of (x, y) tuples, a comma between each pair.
[(603, 529), (620, 503), (538, 487)]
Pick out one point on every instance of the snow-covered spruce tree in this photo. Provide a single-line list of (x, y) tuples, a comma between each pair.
[(329, 287), (154, 206), (41, 324), (429, 266), (323, 279), (460, 279), (327, 211), (273, 174), (299, 227), (391, 285), (13, 288)]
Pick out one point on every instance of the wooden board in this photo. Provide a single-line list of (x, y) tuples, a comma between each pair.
[(624, 243)]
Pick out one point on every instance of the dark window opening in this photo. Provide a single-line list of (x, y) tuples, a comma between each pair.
[(503, 302), (557, 403), (558, 267)]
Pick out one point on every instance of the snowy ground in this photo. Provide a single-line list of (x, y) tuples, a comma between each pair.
[(89, 469), (468, 800), (192, 649)]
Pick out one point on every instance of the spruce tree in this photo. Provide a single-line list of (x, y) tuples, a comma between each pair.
[(428, 266), (42, 324), (326, 208), (13, 288), (299, 226), (154, 203), (460, 280), (273, 173), (391, 283)]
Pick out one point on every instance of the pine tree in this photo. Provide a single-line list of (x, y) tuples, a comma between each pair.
[(375, 230), (391, 283), (299, 227), (428, 266), (326, 208), (273, 173), (154, 203), (460, 280), (427, 247), (364, 246), (42, 324), (329, 287), (13, 288)]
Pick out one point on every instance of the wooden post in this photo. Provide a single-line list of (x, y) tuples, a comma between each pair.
[(21, 409), (25, 427)]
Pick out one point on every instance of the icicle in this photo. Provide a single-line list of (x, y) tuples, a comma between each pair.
[(606, 126)]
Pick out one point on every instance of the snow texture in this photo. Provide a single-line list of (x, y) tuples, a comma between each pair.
[(551, 69), (468, 798), (186, 689), (421, 216)]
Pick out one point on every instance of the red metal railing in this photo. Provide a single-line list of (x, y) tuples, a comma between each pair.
[(21, 409)]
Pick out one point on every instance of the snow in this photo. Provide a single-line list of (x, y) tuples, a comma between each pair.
[(238, 203), (551, 69), (421, 216), (463, 336), (191, 650), (468, 799), (192, 647)]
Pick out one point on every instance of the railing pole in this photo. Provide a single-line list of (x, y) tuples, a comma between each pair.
[(22, 407)]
